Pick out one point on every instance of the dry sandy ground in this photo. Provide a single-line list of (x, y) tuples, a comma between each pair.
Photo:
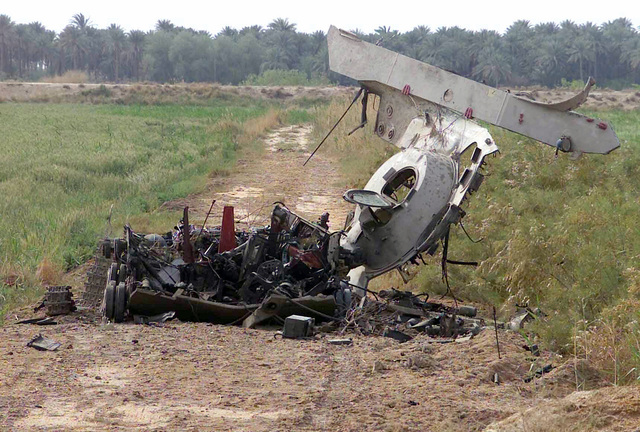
[(200, 377), (154, 93), (202, 92)]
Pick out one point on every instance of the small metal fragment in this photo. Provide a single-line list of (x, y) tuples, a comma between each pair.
[(38, 321), (397, 335), (340, 341), (297, 326), (160, 318), (43, 344)]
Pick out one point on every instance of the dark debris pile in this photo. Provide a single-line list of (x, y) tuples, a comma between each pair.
[(292, 266)]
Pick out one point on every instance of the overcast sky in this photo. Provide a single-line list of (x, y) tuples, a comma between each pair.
[(310, 16)]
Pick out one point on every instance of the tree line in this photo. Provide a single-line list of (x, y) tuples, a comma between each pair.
[(546, 54)]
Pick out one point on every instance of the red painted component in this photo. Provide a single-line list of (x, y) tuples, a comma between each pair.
[(228, 232), (521, 119), (310, 258), (406, 90), (603, 125), (590, 120), (468, 113)]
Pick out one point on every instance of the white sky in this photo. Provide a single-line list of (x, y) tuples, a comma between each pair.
[(310, 16)]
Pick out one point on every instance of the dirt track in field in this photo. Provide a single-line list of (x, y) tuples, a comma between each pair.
[(276, 174), (201, 377)]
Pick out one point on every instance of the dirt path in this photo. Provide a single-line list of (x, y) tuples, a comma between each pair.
[(276, 174), (200, 377)]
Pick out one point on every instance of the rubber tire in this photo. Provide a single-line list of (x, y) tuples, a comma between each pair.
[(109, 299), (112, 274), (119, 249), (120, 303), (122, 273)]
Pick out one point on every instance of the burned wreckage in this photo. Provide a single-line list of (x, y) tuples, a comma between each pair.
[(225, 276), (406, 209)]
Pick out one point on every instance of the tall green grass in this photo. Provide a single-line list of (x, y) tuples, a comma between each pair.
[(64, 165), (557, 234)]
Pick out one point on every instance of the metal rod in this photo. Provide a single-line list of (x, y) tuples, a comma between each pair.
[(204, 225), (335, 125), (187, 251), (495, 327)]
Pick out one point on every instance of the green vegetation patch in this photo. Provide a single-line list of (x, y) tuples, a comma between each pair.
[(556, 233), (63, 166)]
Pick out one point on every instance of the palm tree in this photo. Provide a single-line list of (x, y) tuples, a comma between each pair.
[(569, 28), (228, 31), (548, 28), (165, 25), (631, 51), (282, 24), (492, 67), (593, 43), (280, 54), (413, 40), (80, 21), (96, 50), (42, 40), (24, 46), (136, 39), (487, 57), (385, 34), (7, 33), (254, 30), (71, 40), (550, 59), (447, 49), (318, 40), (519, 44), (117, 39), (616, 34)]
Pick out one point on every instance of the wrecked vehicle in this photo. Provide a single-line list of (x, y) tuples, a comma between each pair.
[(410, 202), (294, 266), (224, 276)]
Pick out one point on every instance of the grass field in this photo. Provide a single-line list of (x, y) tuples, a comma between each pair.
[(64, 165), (557, 234)]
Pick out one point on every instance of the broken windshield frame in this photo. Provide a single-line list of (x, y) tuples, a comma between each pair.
[(367, 198)]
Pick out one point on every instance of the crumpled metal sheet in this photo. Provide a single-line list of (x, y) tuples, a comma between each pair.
[(43, 344)]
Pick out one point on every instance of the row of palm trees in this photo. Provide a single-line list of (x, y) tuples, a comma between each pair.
[(525, 54)]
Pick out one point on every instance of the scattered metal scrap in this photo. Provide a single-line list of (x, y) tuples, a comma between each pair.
[(220, 275), (58, 300), (402, 315), (538, 373), (155, 319), (297, 327), (38, 321), (43, 344), (292, 267)]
